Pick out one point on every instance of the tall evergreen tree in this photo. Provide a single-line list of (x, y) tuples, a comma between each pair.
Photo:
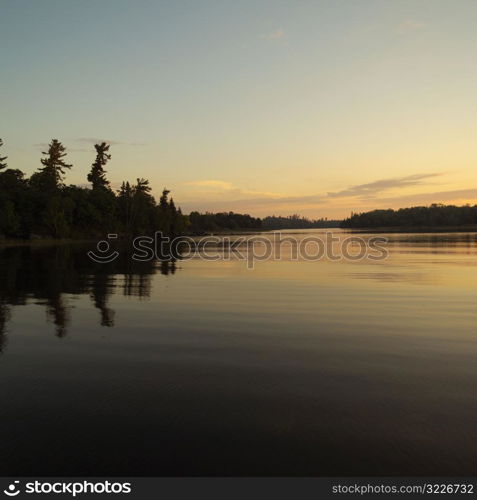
[(54, 165), (163, 201), (177, 219), (165, 219), (142, 187), (53, 208), (97, 176), (102, 198), (144, 207), (125, 205), (2, 158)]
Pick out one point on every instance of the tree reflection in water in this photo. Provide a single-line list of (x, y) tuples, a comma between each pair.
[(46, 275)]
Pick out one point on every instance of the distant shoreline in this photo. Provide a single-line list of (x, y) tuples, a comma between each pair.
[(471, 228)]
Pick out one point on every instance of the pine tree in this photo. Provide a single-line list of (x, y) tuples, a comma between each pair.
[(54, 165), (144, 207), (142, 187), (125, 204), (172, 206), (163, 201), (97, 176), (165, 219)]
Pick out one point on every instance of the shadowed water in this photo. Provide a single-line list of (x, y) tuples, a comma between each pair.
[(194, 367)]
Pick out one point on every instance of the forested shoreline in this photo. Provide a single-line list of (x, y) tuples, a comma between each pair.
[(297, 222), (433, 216), (200, 223), (42, 206)]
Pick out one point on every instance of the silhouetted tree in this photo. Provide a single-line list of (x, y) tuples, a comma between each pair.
[(165, 218), (125, 206), (97, 176), (144, 207), (101, 200), (163, 201), (172, 206), (15, 204), (54, 165), (142, 187)]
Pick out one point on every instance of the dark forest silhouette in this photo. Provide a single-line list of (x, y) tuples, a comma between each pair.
[(43, 206), (434, 216), (230, 221), (297, 222)]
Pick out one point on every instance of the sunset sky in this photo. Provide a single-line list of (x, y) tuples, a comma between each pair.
[(265, 107)]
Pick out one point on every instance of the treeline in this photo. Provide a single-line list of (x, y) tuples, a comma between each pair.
[(224, 221), (43, 206), (297, 222), (436, 215), (229, 221)]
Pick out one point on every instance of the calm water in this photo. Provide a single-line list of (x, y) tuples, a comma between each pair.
[(207, 368)]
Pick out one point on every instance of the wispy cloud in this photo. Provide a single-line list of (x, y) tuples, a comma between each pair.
[(318, 205), (273, 35), (456, 195), (374, 188), (211, 183), (95, 140), (226, 190), (362, 192), (409, 25), (382, 193)]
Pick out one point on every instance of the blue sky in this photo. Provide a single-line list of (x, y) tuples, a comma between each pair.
[(255, 106)]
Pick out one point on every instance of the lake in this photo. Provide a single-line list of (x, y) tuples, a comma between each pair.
[(200, 367)]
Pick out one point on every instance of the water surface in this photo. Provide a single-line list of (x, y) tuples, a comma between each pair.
[(207, 368)]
